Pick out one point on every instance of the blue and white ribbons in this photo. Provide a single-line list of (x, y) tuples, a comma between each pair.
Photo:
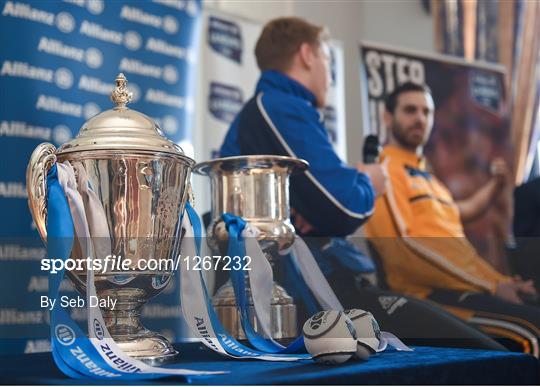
[(74, 207), (75, 354), (242, 241), (310, 273), (201, 317)]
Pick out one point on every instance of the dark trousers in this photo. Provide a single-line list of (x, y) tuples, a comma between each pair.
[(515, 325), (416, 322), (525, 260)]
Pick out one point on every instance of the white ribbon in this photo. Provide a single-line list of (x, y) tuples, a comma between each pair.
[(95, 213), (312, 274), (389, 339), (261, 279)]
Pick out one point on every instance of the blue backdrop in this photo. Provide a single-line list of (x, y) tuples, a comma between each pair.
[(58, 61)]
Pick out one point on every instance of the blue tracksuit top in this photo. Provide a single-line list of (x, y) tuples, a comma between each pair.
[(281, 119)]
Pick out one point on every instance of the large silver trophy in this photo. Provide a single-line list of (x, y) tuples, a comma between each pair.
[(142, 182), (255, 188)]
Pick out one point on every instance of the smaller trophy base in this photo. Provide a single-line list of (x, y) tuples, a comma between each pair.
[(283, 324)]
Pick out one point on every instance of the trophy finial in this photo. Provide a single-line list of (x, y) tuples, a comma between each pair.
[(121, 95)]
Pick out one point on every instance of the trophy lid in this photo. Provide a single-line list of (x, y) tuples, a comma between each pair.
[(121, 128)]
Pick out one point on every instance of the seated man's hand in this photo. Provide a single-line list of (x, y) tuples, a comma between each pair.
[(376, 174), (301, 225), (525, 287), (500, 172), (508, 291)]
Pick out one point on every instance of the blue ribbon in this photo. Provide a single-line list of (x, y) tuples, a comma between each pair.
[(234, 347), (235, 225)]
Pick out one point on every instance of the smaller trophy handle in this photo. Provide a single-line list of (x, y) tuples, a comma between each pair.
[(42, 159), (191, 195)]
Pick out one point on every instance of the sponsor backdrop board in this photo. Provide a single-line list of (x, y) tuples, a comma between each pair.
[(230, 74), (58, 61), (471, 128)]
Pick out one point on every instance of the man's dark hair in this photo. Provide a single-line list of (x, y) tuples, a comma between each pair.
[(391, 101)]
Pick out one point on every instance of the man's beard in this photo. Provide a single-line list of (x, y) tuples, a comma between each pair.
[(400, 135)]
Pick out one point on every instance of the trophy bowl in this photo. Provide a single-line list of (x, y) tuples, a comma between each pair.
[(141, 180), (255, 188)]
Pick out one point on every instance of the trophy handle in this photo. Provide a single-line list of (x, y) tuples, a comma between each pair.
[(42, 159), (191, 195)]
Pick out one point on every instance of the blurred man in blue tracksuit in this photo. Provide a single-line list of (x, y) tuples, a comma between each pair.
[(331, 199)]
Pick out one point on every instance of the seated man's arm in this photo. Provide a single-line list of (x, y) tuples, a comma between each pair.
[(476, 205), (333, 197)]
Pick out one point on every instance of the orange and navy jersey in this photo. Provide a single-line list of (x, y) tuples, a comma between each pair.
[(417, 230)]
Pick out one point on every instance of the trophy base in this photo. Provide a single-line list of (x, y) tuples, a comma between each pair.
[(147, 346), (282, 313), (135, 340)]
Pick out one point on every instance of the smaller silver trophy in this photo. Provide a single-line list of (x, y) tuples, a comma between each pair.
[(255, 188)]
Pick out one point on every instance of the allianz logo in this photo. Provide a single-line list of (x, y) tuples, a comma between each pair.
[(130, 39), (25, 130), (56, 105), (40, 284), (91, 56), (161, 311), (11, 316), (39, 345), (16, 252), (20, 129), (190, 6), (13, 189), (162, 98), (168, 72), (62, 77), (95, 7), (165, 48), (168, 23), (64, 21)]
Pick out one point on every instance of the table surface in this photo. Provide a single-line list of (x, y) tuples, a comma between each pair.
[(426, 365)]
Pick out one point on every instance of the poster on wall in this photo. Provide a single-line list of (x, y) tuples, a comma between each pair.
[(57, 70), (230, 74), (471, 126)]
